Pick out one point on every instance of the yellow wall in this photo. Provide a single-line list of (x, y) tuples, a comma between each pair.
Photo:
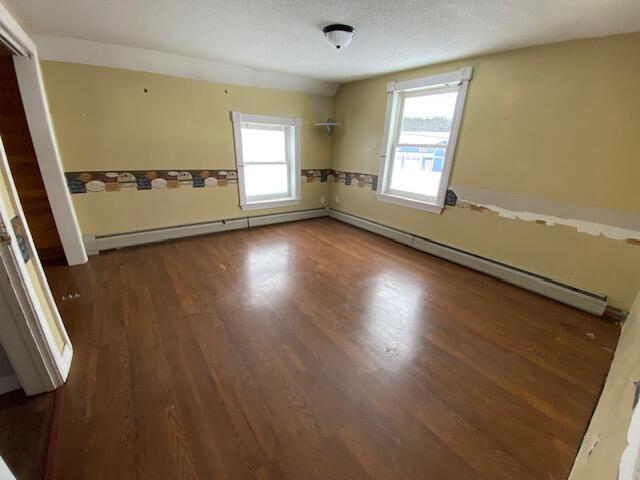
[(130, 210), (104, 121), (611, 418), (9, 203), (557, 122)]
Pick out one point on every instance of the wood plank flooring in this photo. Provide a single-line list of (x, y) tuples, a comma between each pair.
[(316, 350), (24, 432)]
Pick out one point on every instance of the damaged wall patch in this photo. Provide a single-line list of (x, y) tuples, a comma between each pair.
[(590, 220)]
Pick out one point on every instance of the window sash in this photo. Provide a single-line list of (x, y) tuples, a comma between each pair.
[(287, 140), (402, 96), (397, 93), (401, 99), (420, 145), (406, 193), (287, 161), (291, 128), (272, 196)]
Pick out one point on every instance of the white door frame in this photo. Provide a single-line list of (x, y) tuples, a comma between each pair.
[(36, 107), (25, 332), (5, 473)]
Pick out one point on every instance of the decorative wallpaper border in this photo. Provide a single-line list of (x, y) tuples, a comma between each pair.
[(355, 179), (114, 181)]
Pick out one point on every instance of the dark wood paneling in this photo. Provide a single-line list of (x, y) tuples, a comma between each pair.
[(314, 350), (24, 166)]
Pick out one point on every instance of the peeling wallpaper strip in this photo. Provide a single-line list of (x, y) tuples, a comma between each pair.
[(590, 220), (613, 224)]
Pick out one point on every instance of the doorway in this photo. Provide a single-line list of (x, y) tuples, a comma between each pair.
[(23, 162)]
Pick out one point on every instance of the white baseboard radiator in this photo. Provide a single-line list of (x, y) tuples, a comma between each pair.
[(96, 244), (588, 301), (584, 300)]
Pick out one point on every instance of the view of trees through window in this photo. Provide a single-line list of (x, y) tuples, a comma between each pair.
[(434, 124)]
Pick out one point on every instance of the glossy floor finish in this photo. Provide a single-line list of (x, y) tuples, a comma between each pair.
[(316, 350)]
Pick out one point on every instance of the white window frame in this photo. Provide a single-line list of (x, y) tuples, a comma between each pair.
[(396, 92), (293, 126)]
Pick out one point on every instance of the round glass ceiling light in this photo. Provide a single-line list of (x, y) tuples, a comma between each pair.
[(338, 35)]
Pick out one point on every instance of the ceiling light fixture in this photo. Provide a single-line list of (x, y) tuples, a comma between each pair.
[(338, 35)]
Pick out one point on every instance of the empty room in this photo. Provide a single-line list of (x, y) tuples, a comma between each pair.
[(307, 240)]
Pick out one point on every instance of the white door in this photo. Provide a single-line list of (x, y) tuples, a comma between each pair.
[(31, 330)]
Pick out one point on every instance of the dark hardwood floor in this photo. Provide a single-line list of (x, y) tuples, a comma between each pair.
[(316, 350), (24, 432)]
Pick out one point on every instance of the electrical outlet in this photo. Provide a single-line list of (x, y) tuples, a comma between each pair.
[(322, 199), (337, 198)]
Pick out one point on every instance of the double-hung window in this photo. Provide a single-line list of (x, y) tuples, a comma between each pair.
[(421, 129), (268, 160)]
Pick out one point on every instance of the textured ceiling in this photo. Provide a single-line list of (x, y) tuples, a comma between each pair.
[(286, 35)]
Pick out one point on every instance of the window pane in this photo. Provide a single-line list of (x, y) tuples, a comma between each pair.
[(263, 144), (261, 180), (426, 119), (416, 170)]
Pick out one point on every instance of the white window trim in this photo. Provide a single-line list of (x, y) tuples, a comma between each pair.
[(295, 150), (459, 78)]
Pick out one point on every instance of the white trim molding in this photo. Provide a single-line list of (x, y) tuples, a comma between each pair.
[(260, 205), (74, 50), (238, 117), (292, 146), (28, 339), (36, 107), (397, 93), (9, 384), (408, 202), (12, 34), (27, 336), (438, 80), (5, 473)]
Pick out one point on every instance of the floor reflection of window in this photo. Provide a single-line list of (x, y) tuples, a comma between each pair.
[(394, 314), (268, 270)]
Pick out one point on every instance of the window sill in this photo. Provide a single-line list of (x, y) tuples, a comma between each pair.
[(408, 202), (270, 204)]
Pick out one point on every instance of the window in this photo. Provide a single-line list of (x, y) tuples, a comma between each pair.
[(423, 119), (268, 160)]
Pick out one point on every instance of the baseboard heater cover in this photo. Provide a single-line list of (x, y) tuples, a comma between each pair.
[(392, 233), (109, 242), (287, 217), (594, 303), (96, 244)]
